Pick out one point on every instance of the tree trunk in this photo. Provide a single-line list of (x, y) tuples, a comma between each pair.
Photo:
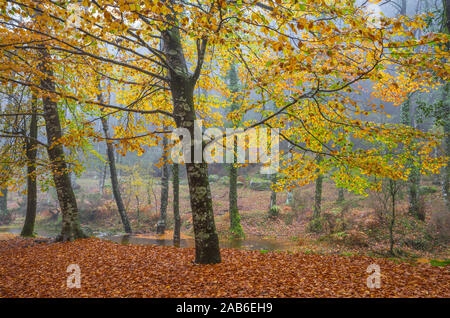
[(414, 176), (5, 217), (445, 171), (31, 153), (235, 219), (161, 225), (341, 197), (71, 228), (393, 192), (176, 204), (103, 179), (318, 193), (113, 174), (182, 84)]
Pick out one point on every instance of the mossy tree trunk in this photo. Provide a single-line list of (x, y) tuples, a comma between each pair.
[(445, 172), (181, 84), (445, 113), (176, 204), (31, 153), (5, 216), (71, 228), (236, 230)]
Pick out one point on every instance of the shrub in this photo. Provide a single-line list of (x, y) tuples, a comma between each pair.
[(316, 225), (274, 211)]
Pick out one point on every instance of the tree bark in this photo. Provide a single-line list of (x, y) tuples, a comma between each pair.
[(176, 204), (161, 225), (393, 191), (31, 153), (71, 228), (318, 193), (182, 85), (114, 179), (445, 171), (5, 217), (235, 219), (341, 197), (414, 176)]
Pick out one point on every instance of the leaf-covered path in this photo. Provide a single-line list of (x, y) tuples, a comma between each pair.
[(29, 269)]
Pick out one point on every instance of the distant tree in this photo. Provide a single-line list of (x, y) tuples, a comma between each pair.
[(176, 204), (31, 154), (162, 222), (113, 174), (318, 192), (235, 223)]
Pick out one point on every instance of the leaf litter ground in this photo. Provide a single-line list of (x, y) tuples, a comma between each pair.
[(33, 268)]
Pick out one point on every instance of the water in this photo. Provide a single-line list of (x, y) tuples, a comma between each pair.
[(249, 243)]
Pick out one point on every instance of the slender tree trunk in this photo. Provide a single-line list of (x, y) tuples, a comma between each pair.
[(446, 19), (114, 179), (393, 191), (445, 171), (71, 228), (31, 153), (5, 217), (341, 196), (414, 176), (403, 8), (103, 180), (235, 219), (436, 176), (273, 194), (182, 84), (318, 193), (161, 225), (176, 204)]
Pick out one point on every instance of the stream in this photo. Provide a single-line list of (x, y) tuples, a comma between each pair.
[(249, 243)]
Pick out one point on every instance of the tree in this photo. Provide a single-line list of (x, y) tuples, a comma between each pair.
[(235, 219), (113, 173), (31, 154), (161, 225), (414, 176), (305, 56), (5, 215), (393, 188), (318, 192), (71, 228), (176, 204)]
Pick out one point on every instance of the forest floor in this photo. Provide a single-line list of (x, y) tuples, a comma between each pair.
[(30, 268)]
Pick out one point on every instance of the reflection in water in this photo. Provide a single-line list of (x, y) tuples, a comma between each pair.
[(245, 244), (250, 243), (125, 239)]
